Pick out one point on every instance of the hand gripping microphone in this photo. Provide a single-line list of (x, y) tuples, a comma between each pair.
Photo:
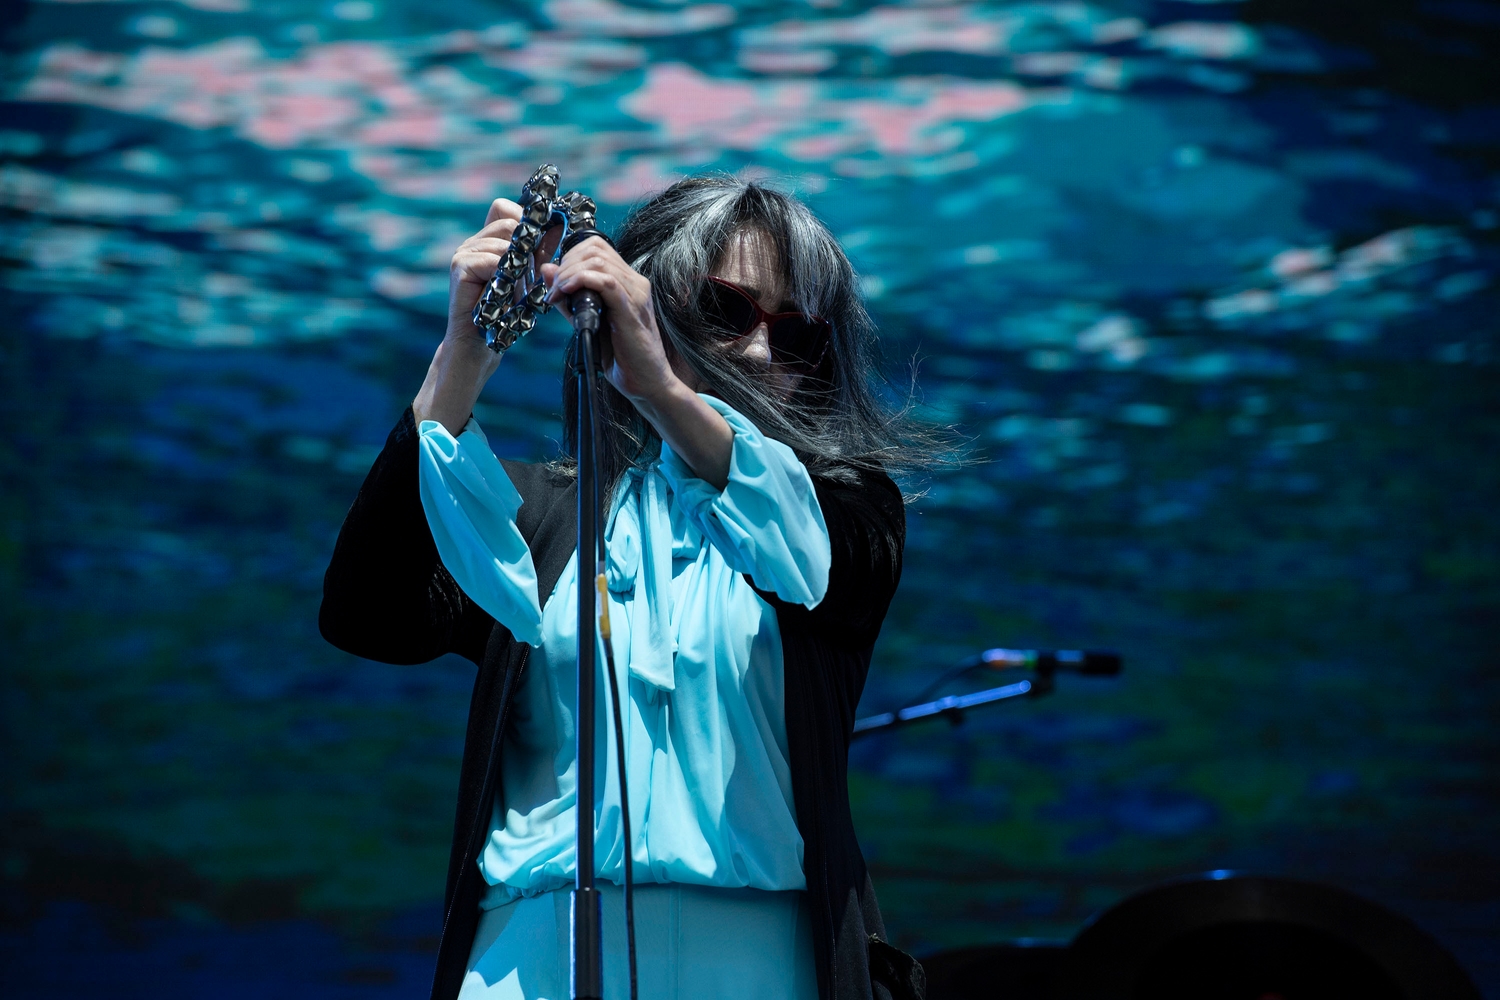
[(586, 306)]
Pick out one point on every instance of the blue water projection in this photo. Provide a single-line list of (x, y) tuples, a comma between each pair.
[(1210, 289)]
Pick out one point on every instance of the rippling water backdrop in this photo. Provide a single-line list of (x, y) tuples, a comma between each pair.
[(1210, 287)]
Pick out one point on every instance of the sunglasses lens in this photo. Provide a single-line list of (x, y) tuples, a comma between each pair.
[(800, 343), (727, 309), (796, 341)]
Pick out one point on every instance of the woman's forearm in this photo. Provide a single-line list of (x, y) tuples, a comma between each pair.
[(457, 373), (692, 428)]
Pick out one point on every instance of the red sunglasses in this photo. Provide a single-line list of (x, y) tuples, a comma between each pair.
[(799, 342)]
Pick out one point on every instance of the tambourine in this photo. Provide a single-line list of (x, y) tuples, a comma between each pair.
[(550, 226)]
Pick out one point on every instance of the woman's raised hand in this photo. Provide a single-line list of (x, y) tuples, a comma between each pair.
[(635, 360), (473, 265), (631, 354), (463, 362)]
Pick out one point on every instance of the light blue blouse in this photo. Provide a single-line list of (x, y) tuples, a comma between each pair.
[(697, 649)]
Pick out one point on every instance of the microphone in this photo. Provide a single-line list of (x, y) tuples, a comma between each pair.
[(1088, 662), (586, 307)]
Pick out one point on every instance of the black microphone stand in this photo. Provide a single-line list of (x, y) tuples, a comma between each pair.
[(588, 942), (593, 625), (506, 311)]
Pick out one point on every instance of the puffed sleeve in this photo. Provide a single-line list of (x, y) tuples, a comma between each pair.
[(471, 507), (766, 521)]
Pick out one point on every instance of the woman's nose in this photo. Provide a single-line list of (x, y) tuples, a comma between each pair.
[(758, 343)]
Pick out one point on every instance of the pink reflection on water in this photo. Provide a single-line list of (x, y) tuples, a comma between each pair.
[(216, 6), (795, 61), (283, 122), (472, 182), (338, 94), (639, 177), (364, 97), (423, 130), (569, 60), (901, 31), (606, 17), (746, 115), (687, 104)]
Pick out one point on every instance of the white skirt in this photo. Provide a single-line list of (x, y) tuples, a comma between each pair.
[(691, 942)]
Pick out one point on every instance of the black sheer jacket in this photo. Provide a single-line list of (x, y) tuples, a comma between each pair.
[(387, 597)]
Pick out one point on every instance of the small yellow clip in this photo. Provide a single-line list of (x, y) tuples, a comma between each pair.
[(603, 606)]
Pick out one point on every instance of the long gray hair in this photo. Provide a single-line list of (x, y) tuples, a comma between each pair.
[(835, 418)]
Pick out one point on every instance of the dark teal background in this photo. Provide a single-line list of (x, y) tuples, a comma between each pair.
[(1209, 287)]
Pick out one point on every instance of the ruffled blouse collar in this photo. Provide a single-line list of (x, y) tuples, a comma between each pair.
[(642, 518)]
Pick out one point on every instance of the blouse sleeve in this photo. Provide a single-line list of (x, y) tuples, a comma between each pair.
[(766, 521), (866, 520), (471, 507)]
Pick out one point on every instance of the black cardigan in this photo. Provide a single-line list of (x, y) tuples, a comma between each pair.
[(387, 597)]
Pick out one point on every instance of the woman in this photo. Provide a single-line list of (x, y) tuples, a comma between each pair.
[(754, 543)]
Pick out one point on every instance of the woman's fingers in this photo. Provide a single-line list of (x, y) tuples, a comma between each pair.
[(606, 283), (573, 266), (632, 354), (487, 244), (627, 302), (502, 208), (600, 268), (481, 253), (591, 252), (501, 228), (473, 267), (594, 249)]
